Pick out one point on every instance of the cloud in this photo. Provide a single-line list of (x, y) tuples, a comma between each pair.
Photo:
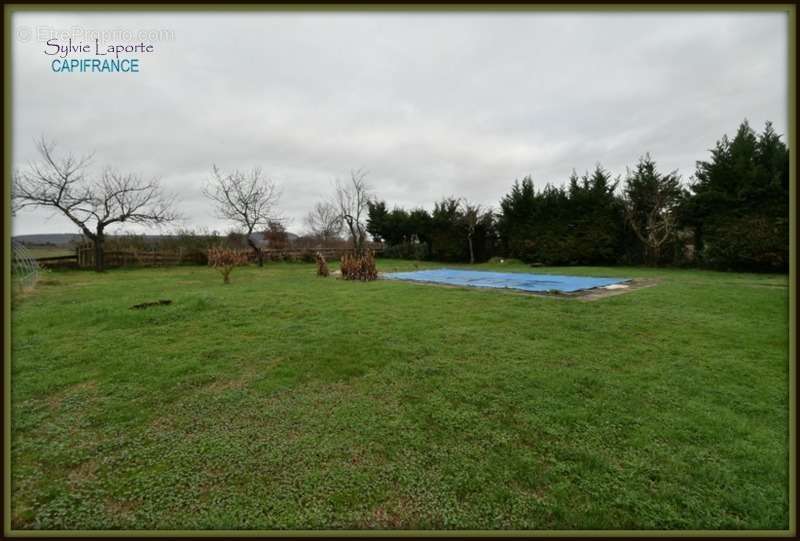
[(431, 104)]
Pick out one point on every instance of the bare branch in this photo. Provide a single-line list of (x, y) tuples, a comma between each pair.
[(324, 221), (351, 202), (129, 198), (62, 182), (247, 199)]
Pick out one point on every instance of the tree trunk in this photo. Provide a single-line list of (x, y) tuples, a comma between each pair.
[(652, 246), (259, 255), (356, 241), (656, 254), (361, 241), (356, 235), (99, 252), (471, 251)]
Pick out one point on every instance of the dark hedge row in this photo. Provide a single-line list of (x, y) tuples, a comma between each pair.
[(733, 214)]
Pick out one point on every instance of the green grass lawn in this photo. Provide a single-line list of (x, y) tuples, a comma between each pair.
[(284, 400)]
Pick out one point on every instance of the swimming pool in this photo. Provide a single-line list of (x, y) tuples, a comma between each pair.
[(506, 280)]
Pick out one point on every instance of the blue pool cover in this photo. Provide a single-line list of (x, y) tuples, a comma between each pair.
[(510, 280)]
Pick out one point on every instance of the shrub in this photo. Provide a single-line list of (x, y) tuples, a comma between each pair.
[(407, 250), (355, 267), (322, 265), (748, 242), (225, 260), (307, 256)]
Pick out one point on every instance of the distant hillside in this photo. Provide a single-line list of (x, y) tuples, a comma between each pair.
[(56, 239)]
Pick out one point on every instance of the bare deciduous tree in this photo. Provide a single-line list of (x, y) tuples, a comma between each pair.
[(650, 200), (63, 183), (472, 217), (247, 199), (351, 204), (657, 227), (324, 221), (276, 236)]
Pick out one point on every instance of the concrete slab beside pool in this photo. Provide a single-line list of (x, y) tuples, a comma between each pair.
[(506, 280)]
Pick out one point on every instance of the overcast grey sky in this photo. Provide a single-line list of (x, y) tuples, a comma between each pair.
[(430, 104)]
